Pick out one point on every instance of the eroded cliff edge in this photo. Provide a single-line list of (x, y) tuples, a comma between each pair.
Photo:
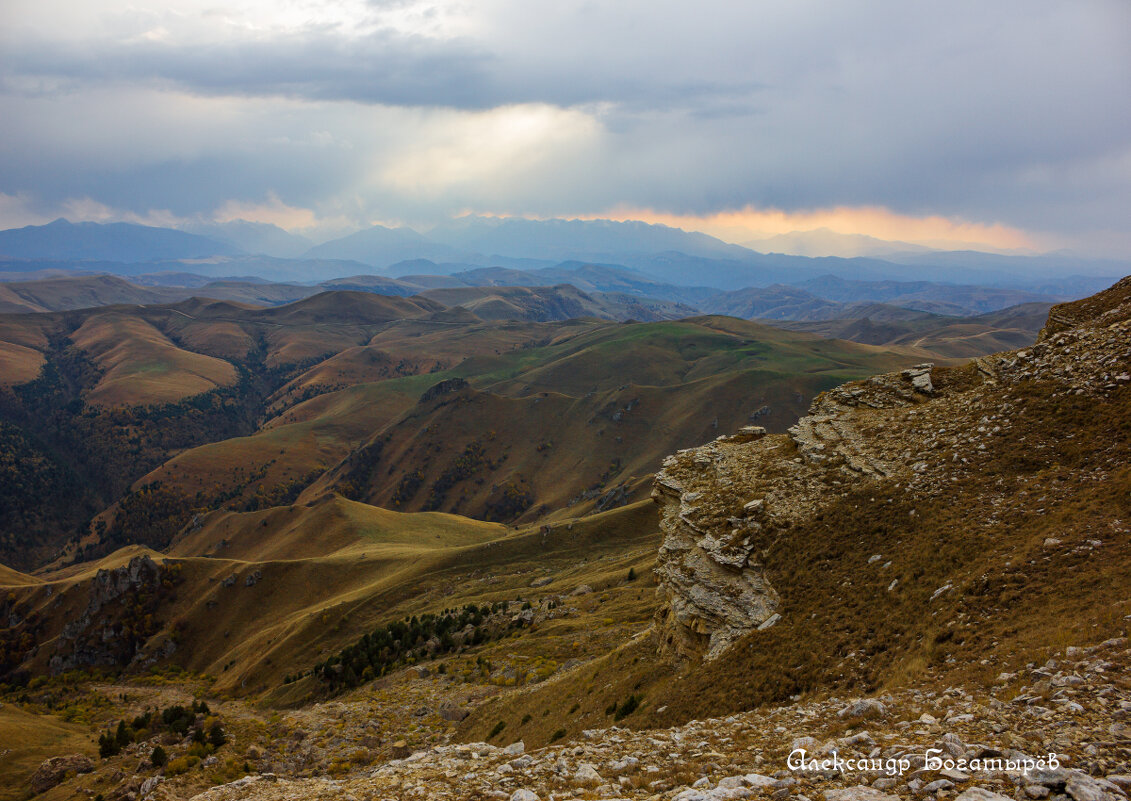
[(726, 505)]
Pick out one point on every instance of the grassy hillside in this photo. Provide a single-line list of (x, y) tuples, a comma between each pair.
[(28, 739), (93, 399), (140, 366), (487, 443), (561, 302), (253, 596), (955, 337)]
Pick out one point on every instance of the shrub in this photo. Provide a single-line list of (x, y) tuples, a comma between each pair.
[(498, 728), (181, 765), (628, 707), (158, 757), (559, 734)]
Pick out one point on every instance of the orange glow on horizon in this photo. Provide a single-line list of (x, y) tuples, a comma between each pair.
[(747, 224)]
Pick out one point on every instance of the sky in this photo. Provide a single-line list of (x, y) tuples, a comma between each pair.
[(1003, 125)]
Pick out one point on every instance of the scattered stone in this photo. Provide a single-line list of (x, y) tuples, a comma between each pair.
[(858, 793)]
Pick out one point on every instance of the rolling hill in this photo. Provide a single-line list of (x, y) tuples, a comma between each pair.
[(230, 403), (561, 302), (940, 538), (955, 337)]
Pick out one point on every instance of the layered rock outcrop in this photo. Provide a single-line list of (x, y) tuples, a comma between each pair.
[(725, 504)]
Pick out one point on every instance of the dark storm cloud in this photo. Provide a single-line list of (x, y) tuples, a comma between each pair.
[(1010, 111), (382, 67)]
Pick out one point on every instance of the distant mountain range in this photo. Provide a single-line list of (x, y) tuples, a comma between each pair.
[(824, 242), (120, 242), (658, 254), (253, 237)]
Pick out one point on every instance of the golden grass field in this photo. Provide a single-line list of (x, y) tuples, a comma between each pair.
[(140, 365), (26, 739)]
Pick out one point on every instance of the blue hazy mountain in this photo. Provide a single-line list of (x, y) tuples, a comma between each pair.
[(381, 247), (119, 242), (557, 239), (253, 237), (649, 253)]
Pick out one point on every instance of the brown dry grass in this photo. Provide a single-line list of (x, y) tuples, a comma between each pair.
[(140, 365), (19, 364), (27, 739)]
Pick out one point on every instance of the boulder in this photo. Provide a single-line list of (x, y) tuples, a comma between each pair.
[(867, 708), (981, 794), (1085, 788), (587, 776), (758, 781), (454, 714), (56, 769), (858, 793)]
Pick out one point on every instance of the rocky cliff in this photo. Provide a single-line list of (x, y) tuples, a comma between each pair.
[(120, 616), (917, 433)]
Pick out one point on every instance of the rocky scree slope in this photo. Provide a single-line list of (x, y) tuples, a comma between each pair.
[(1073, 706)]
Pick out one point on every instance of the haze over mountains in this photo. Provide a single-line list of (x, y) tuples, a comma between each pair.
[(667, 254), (544, 270)]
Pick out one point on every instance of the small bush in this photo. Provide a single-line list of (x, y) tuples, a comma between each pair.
[(559, 734), (498, 728), (628, 707), (181, 765), (158, 757)]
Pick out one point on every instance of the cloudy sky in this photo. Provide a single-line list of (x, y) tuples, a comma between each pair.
[(1005, 124)]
